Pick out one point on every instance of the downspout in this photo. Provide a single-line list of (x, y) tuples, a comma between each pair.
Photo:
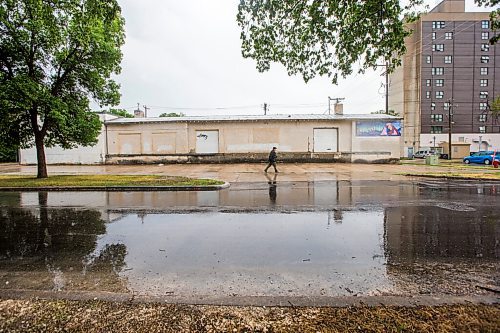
[(106, 142)]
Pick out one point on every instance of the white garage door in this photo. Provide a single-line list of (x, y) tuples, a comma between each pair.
[(325, 140), (207, 142)]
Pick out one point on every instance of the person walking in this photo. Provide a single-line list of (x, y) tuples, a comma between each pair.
[(272, 160)]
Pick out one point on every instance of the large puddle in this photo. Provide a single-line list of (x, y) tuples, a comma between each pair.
[(269, 239)]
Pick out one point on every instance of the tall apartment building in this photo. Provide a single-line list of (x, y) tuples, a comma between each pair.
[(449, 68)]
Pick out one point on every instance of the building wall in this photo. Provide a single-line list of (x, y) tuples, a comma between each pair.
[(80, 155), (462, 77), (241, 141)]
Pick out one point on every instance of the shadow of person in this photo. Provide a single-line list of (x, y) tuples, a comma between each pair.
[(272, 187)]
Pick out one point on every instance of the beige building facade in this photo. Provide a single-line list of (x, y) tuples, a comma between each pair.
[(299, 138)]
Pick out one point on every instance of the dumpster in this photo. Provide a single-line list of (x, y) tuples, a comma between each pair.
[(432, 160)]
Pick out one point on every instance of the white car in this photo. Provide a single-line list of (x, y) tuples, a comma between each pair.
[(423, 153)]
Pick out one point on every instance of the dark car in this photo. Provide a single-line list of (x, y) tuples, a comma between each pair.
[(482, 157)]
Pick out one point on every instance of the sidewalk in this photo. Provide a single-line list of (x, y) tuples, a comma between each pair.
[(252, 172)]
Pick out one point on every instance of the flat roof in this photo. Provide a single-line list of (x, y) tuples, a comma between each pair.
[(237, 118)]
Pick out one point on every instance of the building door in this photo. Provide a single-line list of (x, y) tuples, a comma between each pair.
[(207, 142), (325, 140)]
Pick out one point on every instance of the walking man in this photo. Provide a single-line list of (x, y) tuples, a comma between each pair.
[(272, 160)]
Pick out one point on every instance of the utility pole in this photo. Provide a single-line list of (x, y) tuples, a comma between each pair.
[(386, 87), (265, 109), (145, 111), (450, 126), (336, 99)]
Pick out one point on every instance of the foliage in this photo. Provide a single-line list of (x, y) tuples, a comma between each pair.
[(389, 112), (172, 114), (120, 113), (494, 18), (324, 37), (495, 107), (54, 56), (329, 38)]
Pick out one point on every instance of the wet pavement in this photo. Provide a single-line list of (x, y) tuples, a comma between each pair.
[(274, 238)]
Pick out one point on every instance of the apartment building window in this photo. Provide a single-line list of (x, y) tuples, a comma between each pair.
[(483, 118), (427, 94), (433, 106), (433, 35), (439, 82), (482, 129), (483, 106), (484, 70), (485, 59), (448, 35), (437, 47), (485, 35), (483, 94), (483, 83), (428, 59), (437, 117), (439, 94), (428, 82), (446, 106), (436, 129), (438, 24), (485, 24), (448, 59), (437, 70), (485, 47)]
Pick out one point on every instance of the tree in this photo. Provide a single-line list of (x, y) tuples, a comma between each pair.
[(317, 38), (172, 114), (120, 113), (495, 107), (54, 56), (314, 37), (389, 112), (494, 18)]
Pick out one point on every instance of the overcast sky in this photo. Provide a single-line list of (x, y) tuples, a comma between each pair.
[(184, 56)]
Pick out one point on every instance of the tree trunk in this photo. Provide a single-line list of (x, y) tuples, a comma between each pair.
[(40, 156)]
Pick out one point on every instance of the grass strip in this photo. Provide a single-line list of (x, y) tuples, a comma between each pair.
[(453, 175), (100, 316), (103, 181)]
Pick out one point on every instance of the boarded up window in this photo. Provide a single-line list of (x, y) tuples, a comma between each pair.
[(164, 143), (129, 143)]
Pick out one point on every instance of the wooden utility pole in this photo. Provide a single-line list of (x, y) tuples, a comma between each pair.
[(450, 126)]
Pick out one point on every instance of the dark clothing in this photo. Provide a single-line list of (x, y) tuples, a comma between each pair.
[(272, 156), (272, 161)]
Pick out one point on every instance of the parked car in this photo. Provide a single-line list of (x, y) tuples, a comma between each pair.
[(482, 157), (423, 153)]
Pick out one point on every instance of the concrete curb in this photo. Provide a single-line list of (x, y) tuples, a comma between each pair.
[(280, 301), (118, 188), (450, 177)]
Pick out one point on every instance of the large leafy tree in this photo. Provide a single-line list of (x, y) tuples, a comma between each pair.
[(56, 55), (332, 38)]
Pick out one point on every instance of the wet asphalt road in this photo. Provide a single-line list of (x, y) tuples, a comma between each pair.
[(270, 238)]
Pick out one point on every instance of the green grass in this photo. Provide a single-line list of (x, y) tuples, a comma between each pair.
[(103, 181), (457, 175)]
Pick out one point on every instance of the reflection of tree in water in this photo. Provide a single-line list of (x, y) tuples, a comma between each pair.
[(43, 242)]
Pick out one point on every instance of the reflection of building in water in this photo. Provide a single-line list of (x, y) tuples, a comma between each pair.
[(431, 232)]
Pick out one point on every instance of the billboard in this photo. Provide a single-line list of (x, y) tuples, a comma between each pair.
[(378, 128)]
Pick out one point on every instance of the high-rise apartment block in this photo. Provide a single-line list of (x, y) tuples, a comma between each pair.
[(450, 75)]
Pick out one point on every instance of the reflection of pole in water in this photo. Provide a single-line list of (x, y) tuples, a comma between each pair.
[(336, 216), (272, 187)]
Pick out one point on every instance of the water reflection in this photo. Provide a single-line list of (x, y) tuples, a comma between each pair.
[(323, 238), (48, 248)]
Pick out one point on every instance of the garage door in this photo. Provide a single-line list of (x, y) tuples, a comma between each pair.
[(207, 142), (325, 140)]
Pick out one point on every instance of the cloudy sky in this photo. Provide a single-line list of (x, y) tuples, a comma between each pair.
[(184, 56)]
